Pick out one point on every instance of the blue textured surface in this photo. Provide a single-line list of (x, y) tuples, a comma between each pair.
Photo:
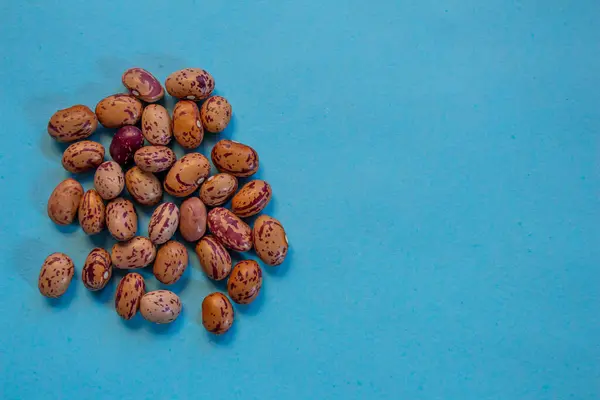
[(435, 165)]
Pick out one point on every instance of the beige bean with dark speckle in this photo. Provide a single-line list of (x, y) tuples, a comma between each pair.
[(55, 275), (64, 201)]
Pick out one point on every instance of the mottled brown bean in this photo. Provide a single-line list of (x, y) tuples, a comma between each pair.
[(64, 202), (234, 158), (217, 313), (143, 85), (215, 114), (229, 229), (135, 253), (55, 275), (144, 187), (97, 269), (270, 240), (130, 291), (154, 158), (156, 125), (214, 258), (83, 156), (187, 127), (121, 219), (252, 198), (163, 223), (119, 110), (91, 213), (73, 123), (109, 180), (217, 189), (190, 83), (245, 282), (192, 220), (186, 175), (170, 263), (160, 306)]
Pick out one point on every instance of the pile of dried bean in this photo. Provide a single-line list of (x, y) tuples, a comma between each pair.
[(182, 178)]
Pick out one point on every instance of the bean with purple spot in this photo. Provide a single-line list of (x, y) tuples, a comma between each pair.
[(245, 282), (121, 219), (215, 114), (109, 180), (163, 223), (83, 156), (252, 198), (144, 187), (170, 263), (270, 240), (143, 85), (160, 306), (73, 123), (156, 125), (234, 158), (56, 275), (154, 158), (229, 229), (217, 189), (91, 213), (186, 175), (63, 203), (190, 83), (130, 291), (217, 313), (187, 127), (214, 258), (138, 252), (97, 269), (119, 110)]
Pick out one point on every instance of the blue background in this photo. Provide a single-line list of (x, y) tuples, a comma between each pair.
[(435, 164)]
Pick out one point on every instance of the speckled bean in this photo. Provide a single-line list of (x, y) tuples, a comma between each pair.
[(156, 125), (73, 123), (130, 291), (143, 85), (135, 253), (170, 263), (252, 198), (190, 83), (97, 269), (55, 275), (245, 282), (154, 158), (119, 110), (144, 187), (83, 156), (160, 306), (187, 127), (192, 220), (215, 114), (229, 229), (214, 258), (217, 189), (109, 180), (91, 213), (121, 219), (64, 202), (270, 240), (186, 175), (163, 223), (217, 313), (234, 158)]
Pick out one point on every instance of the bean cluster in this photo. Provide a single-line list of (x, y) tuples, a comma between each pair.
[(144, 166)]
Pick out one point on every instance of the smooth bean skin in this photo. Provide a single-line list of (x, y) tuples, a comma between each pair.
[(156, 125), (154, 158), (214, 258), (217, 313), (138, 252), (186, 175), (170, 263), (97, 269), (144, 187), (270, 240), (160, 306), (190, 83), (109, 180), (215, 114), (217, 189), (192, 220), (245, 282), (252, 198), (56, 275), (73, 123), (63, 203), (119, 110), (163, 223), (235, 158), (92, 213), (234, 233), (143, 85), (83, 156), (121, 219), (129, 294), (187, 127)]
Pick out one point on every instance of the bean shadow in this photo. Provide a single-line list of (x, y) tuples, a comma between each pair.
[(254, 307), (221, 340), (134, 323), (102, 239), (66, 299), (282, 269), (107, 294), (167, 329)]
